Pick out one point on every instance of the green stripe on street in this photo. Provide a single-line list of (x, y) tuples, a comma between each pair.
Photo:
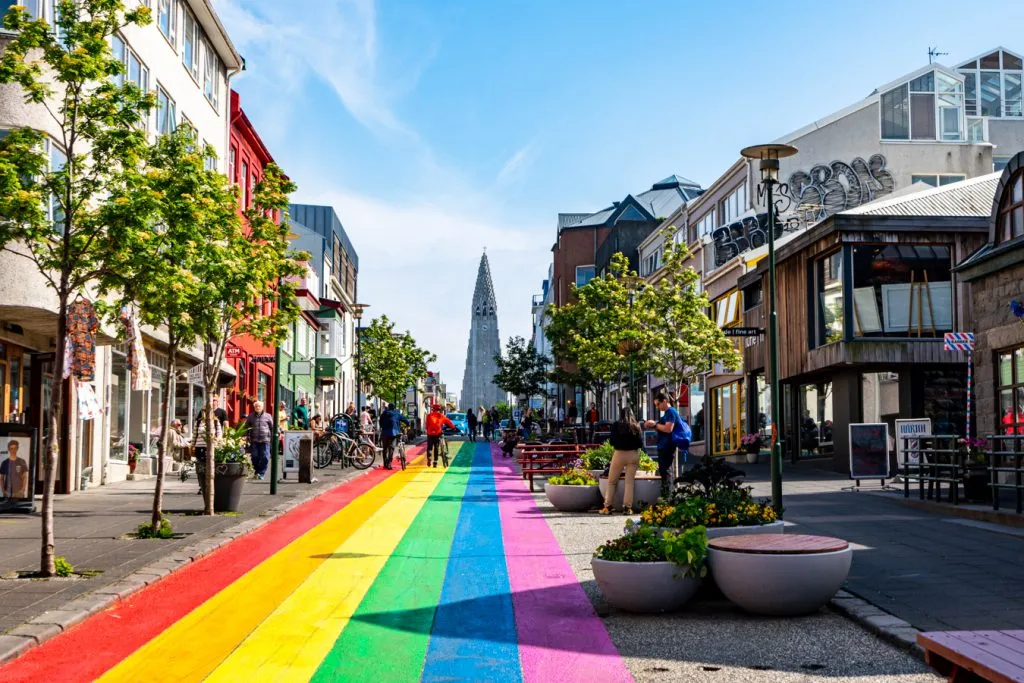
[(387, 638)]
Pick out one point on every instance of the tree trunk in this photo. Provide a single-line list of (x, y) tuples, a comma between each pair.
[(51, 450), (165, 419)]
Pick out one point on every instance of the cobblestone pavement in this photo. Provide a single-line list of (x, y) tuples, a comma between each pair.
[(90, 527), (710, 640), (933, 570)]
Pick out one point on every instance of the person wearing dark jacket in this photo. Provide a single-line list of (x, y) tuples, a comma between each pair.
[(471, 423), (391, 421), (627, 440)]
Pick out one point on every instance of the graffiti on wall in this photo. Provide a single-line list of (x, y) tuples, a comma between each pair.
[(837, 186), (746, 233)]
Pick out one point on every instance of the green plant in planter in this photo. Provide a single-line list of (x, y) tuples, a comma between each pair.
[(708, 478), (573, 477), (684, 514), (232, 448), (687, 548), (598, 458), (647, 464)]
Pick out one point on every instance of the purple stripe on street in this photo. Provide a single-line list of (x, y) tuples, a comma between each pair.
[(561, 638)]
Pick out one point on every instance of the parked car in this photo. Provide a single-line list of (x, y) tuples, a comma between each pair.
[(461, 426)]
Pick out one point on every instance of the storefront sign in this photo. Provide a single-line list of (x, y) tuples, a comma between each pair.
[(906, 447), (869, 451), (195, 374), (18, 462), (262, 359), (303, 368), (742, 331), (233, 352)]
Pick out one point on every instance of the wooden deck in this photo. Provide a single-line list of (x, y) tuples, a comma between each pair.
[(996, 656)]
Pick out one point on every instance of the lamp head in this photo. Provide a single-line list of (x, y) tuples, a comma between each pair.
[(357, 310), (769, 156)]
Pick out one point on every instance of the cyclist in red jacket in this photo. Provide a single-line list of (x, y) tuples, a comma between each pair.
[(436, 422)]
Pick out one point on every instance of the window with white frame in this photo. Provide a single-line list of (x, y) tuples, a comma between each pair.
[(930, 107), (167, 18), (166, 116), (190, 43), (232, 159), (992, 85), (734, 205), (289, 342), (707, 224), (118, 50), (325, 340), (211, 74), (937, 179), (210, 160)]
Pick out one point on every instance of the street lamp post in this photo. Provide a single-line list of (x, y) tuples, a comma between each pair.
[(357, 313), (768, 156)]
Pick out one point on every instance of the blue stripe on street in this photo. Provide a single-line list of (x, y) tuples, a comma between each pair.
[(474, 634)]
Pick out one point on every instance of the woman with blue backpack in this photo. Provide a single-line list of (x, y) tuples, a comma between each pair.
[(673, 433)]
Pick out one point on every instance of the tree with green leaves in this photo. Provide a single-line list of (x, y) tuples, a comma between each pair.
[(688, 341), (53, 187), (521, 370), (609, 329), (247, 265), (390, 362), (166, 230)]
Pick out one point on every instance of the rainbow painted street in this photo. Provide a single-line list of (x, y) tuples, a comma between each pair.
[(426, 574)]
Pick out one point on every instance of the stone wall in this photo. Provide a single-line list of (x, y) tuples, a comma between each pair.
[(996, 328)]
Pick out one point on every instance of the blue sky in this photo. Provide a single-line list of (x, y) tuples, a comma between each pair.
[(436, 128)]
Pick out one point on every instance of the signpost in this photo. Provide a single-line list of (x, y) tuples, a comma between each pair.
[(742, 331), (869, 451), (300, 367), (963, 341)]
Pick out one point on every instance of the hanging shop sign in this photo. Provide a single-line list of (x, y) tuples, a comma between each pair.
[(270, 358), (232, 352), (742, 331), (302, 368), (869, 451)]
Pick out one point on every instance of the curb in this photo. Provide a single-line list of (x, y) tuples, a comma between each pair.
[(52, 623), (874, 619)]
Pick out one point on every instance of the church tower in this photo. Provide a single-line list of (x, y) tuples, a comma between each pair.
[(478, 387)]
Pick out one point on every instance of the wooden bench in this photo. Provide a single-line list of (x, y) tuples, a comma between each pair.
[(996, 656)]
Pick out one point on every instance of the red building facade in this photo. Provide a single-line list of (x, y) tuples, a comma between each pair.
[(253, 360)]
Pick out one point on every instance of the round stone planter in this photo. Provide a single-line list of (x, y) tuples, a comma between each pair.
[(775, 582), (752, 457), (646, 490), (572, 498), (644, 587), (772, 528)]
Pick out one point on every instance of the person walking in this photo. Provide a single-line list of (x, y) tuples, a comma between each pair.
[(391, 421), (471, 423), (560, 418), (627, 441), (672, 433), (259, 426), (301, 414), (485, 421), (572, 415)]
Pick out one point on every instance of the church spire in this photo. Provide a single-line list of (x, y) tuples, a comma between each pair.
[(484, 344)]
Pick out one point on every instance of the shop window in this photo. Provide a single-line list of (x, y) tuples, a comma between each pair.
[(816, 426), (902, 291), (828, 300), (944, 393), (764, 408), (1010, 379), (262, 382), (1010, 224), (697, 416), (727, 418)]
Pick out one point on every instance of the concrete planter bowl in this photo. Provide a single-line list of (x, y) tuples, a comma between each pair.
[(644, 587), (646, 490), (572, 498), (779, 584), (718, 532)]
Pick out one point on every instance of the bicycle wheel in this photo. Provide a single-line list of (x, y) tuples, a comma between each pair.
[(363, 455), (401, 455), (323, 453), (444, 452)]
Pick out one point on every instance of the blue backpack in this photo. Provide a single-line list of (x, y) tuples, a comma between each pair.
[(682, 434)]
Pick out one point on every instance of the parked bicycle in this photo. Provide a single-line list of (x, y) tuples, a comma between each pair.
[(333, 445)]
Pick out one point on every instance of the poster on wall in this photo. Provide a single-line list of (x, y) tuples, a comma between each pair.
[(906, 447), (869, 451), (650, 440), (17, 464), (290, 457)]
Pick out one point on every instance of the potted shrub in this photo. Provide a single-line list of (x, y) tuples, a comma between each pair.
[(597, 460), (752, 445), (977, 484), (133, 458), (574, 490), (646, 484), (232, 466), (651, 571)]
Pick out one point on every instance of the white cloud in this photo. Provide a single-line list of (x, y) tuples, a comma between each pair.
[(518, 164)]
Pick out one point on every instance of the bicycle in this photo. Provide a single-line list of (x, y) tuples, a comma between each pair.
[(443, 450), (400, 450), (331, 446)]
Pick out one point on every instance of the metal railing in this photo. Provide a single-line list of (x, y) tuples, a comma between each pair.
[(1004, 459)]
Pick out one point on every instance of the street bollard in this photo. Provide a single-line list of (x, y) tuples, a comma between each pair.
[(306, 461)]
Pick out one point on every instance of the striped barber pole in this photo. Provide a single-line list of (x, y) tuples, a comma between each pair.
[(963, 341)]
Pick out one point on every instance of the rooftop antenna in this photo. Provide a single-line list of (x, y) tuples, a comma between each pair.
[(933, 52)]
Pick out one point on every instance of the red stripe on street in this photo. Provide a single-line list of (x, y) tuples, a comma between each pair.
[(89, 649)]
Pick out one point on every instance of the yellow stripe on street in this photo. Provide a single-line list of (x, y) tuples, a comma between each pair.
[(290, 644), (194, 645)]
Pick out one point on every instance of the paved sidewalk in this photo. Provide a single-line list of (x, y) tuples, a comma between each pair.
[(933, 570), (90, 528)]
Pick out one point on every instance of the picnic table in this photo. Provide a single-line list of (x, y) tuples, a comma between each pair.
[(996, 656), (547, 459)]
